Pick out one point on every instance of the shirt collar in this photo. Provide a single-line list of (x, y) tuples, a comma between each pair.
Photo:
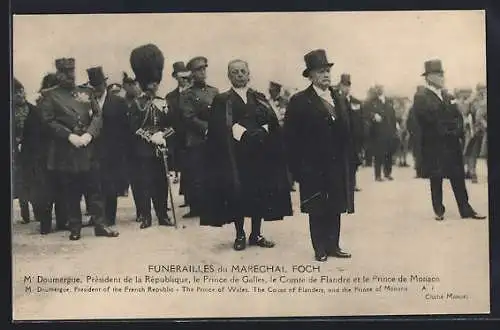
[(322, 93), (242, 92), (435, 90)]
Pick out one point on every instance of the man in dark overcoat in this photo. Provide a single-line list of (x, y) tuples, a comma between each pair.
[(317, 124), (112, 143), (195, 105), (75, 121), (246, 166), (415, 138), (178, 141), (441, 125), (42, 191), (356, 120), (383, 132)]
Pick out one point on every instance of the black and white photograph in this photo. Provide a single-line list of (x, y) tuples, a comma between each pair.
[(251, 164)]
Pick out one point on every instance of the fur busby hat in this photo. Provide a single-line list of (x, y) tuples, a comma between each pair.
[(147, 63)]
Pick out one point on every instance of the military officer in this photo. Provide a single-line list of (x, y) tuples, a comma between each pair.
[(441, 126), (75, 121), (149, 124), (195, 105)]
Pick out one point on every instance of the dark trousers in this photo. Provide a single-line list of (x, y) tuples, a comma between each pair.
[(43, 213), (25, 209), (256, 225), (58, 202), (151, 185), (74, 185), (325, 232), (193, 172), (459, 190), (383, 160), (110, 207)]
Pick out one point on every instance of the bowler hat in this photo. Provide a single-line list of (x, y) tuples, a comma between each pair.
[(315, 59), (345, 79), (179, 67), (65, 64), (433, 66), (196, 63), (96, 76)]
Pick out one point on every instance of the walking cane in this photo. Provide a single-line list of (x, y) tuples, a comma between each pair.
[(163, 151)]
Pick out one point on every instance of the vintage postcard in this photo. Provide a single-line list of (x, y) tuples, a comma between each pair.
[(233, 165)]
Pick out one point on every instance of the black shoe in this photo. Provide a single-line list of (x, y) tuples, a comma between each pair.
[(240, 243), (379, 179), (105, 232), (146, 223), (439, 217), (138, 219), (74, 236), (321, 258), (390, 178), (260, 241), (338, 253), (474, 216), (166, 222)]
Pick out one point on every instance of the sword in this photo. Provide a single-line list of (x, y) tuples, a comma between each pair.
[(163, 151)]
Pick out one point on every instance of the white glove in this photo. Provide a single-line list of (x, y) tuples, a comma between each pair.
[(266, 127), (238, 131), (158, 139), (377, 118)]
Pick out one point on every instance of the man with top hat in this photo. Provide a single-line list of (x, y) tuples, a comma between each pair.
[(415, 137), (355, 111), (111, 144), (441, 126), (246, 172), (75, 121), (150, 124), (317, 124), (382, 132), (183, 77), (195, 104)]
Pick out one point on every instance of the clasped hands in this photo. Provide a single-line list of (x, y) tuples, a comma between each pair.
[(80, 140), (238, 131)]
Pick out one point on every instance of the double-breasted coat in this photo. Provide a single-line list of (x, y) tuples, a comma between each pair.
[(245, 178), (71, 111), (441, 134), (178, 142), (319, 148)]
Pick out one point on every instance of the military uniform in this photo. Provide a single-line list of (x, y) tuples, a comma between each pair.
[(195, 105), (74, 111)]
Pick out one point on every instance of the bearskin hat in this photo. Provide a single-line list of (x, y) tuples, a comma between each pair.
[(147, 63)]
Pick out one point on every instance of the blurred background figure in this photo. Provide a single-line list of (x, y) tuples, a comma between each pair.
[(402, 108), (477, 142), (414, 137), (114, 89), (382, 133), (367, 148), (21, 108)]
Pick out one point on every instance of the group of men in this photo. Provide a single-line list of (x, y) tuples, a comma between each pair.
[(238, 151)]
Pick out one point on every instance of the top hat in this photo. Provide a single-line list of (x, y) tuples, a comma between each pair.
[(65, 64), (315, 59), (179, 68), (96, 76), (345, 79), (433, 66), (196, 63)]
